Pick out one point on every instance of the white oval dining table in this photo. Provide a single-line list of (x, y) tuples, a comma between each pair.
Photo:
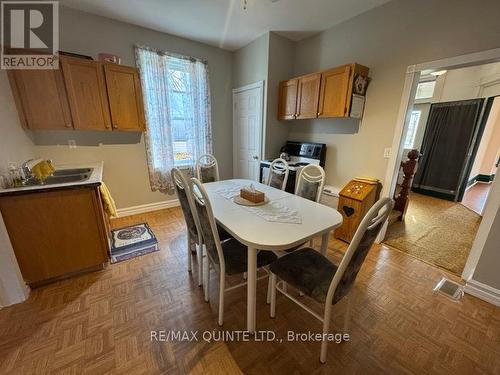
[(259, 234)]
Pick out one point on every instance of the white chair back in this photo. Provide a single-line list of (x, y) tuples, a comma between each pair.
[(359, 247), (310, 182), (211, 239), (278, 174), (207, 168)]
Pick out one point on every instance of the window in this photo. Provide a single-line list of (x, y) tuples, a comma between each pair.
[(412, 129), (425, 90), (177, 103)]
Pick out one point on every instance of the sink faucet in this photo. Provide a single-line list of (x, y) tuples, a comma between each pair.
[(26, 169)]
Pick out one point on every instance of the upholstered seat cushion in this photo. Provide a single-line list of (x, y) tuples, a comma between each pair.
[(223, 235), (236, 255), (307, 270)]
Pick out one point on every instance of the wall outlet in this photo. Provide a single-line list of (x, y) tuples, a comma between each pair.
[(71, 143), (387, 152)]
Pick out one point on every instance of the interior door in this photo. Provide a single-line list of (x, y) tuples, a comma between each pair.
[(308, 96), (287, 109), (247, 130), (42, 98), (125, 97), (333, 94), (87, 94)]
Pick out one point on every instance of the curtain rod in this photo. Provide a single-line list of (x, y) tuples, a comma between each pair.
[(172, 54)]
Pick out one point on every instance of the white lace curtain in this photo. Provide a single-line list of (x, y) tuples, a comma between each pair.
[(177, 104)]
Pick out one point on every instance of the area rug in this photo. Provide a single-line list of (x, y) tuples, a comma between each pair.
[(132, 241), (436, 231)]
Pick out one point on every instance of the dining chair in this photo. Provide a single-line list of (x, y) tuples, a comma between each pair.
[(194, 235), (226, 257), (207, 169), (310, 182), (317, 277), (278, 174)]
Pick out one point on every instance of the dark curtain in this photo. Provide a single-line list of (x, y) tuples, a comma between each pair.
[(448, 137)]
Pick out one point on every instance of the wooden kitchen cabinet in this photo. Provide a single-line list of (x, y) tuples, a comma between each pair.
[(333, 92), (56, 233), (41, 99), (287, 108), (337, 89), (86, 87), (308, 95), (125, 97), (325, 94)]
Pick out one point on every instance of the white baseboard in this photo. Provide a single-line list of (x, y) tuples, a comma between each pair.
[(134, 210), (483, 291)]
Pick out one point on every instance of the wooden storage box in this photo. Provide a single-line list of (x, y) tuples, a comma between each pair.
[(355, 199), (252, 196)]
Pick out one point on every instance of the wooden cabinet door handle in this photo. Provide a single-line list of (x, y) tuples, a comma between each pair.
[(115, 126)]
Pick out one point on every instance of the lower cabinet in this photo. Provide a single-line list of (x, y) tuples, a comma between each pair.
[(56, 233)]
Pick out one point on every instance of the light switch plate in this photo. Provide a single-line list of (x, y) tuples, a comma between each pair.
[(387, 152), (71, 143)]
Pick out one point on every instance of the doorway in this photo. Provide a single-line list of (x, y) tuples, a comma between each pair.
[(248, 102), (486, 155), (445, 120)]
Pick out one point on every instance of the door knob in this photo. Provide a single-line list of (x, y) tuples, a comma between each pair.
[(256, 157)]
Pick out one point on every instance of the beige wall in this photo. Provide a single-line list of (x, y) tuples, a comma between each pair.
[(487, 268), (492, 151), (489, 145), (250, 63), (281, 53), (268, 58), (467, 83), (15, 143), (387, 39), (124, 155)]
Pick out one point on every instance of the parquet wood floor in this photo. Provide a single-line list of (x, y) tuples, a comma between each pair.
[(100, 323)]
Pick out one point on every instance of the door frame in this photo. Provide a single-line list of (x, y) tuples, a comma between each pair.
[(409, 90), (256, 85)]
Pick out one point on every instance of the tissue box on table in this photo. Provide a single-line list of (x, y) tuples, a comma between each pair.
[(254, 196)]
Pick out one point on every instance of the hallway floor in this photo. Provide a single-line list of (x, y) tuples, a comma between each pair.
[(435, 231), (475, 196)]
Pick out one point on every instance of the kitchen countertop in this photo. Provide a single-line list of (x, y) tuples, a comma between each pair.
[(94, 179)]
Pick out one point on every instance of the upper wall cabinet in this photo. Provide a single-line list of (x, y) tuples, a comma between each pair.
[(87, 95), (307, 97), (328, 94), (287, 107), (125, 97), (41, 99), (333, 92), (83, 95)]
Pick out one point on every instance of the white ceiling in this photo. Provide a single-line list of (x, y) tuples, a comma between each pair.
[(224, 23)]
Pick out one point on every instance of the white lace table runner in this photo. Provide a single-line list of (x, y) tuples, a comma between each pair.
[(230, 192), (272, 211), (277, 212)]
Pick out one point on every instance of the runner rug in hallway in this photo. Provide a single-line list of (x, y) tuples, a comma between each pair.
[(436, 231)]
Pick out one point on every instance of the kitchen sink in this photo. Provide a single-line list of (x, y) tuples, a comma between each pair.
[(73, 171), (59, 179)]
